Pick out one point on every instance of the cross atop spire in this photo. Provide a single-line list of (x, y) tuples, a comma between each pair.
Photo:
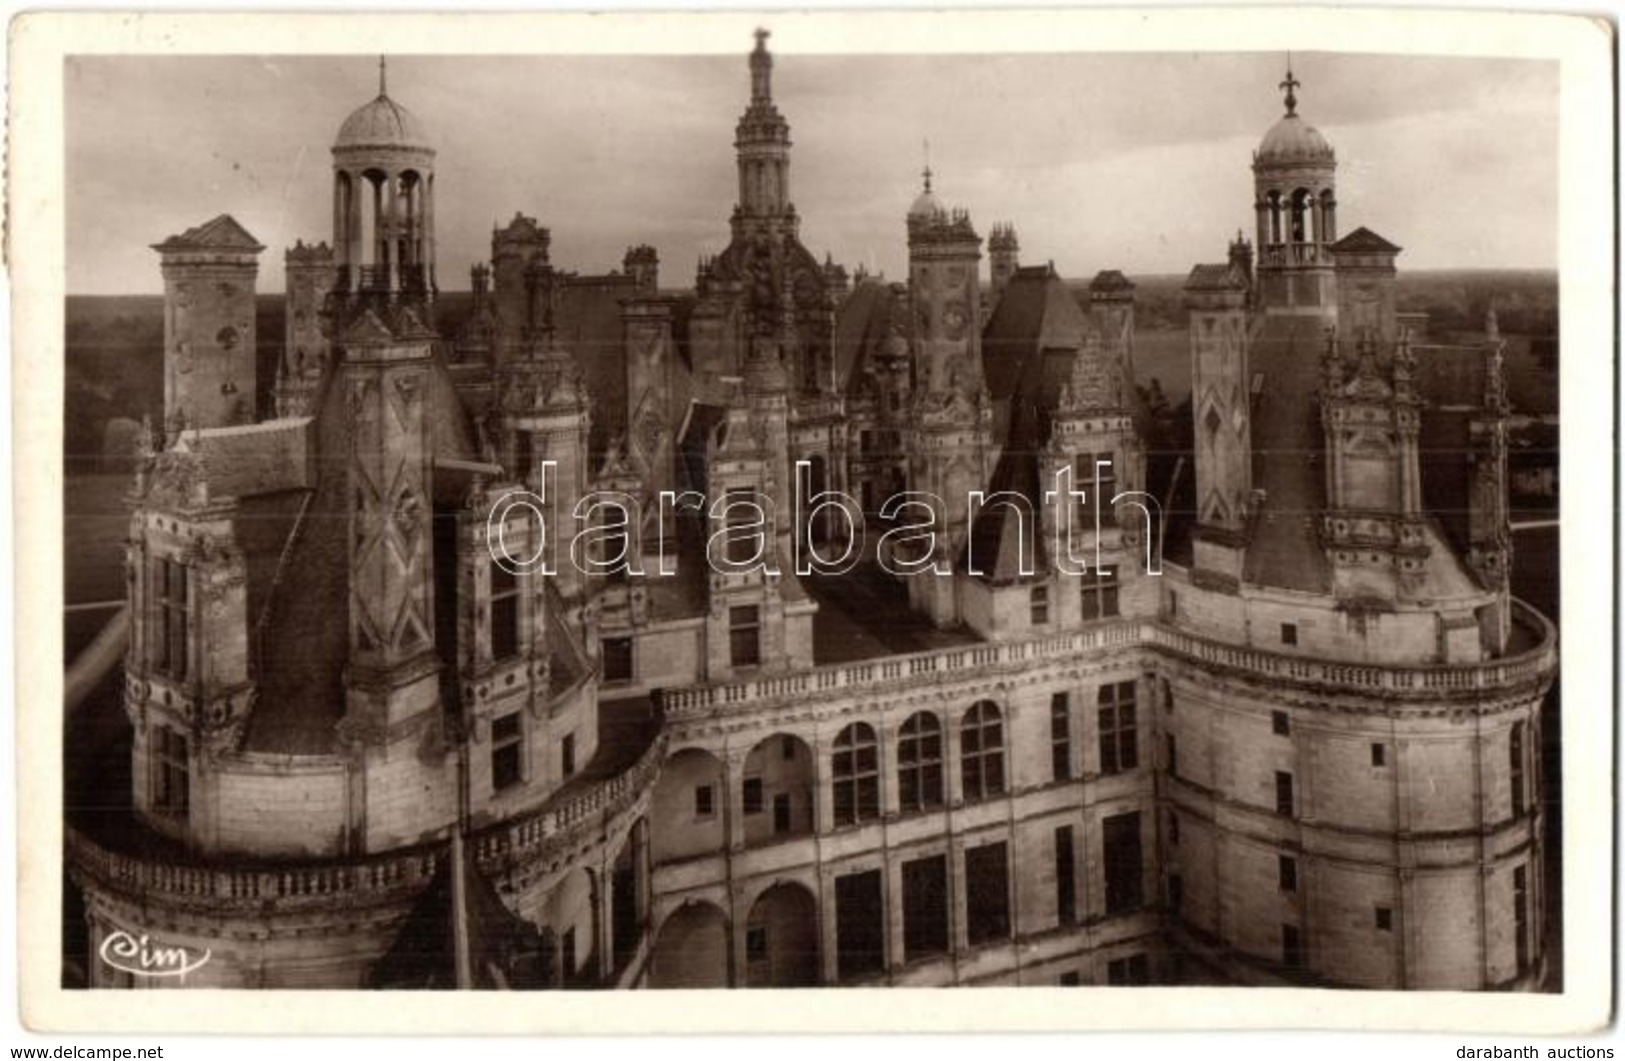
[(1290, 84), (383, 77), (926, 172)]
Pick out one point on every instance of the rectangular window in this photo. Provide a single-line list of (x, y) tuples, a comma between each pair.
[(753, 795), (925, 907), (1120, 844), (1515, 775), (1099, 594), (1133, 971), (1520, 916), (1066, 877), (1385, 919), (1289, 633), (171, 783), (169, 643), (504, 612), (567, 755), (617, 659), (756, 943), (1119, 737), (1283, 793), (860, 925), (987, 893), (781, 813), (1286, 873), (1098, 496), (1280, 723), (1172, 747), (1060, 736), (1070, 979), (1040, 605), (1173, 829), (1173, 604), (744, 635), (524, 457), (505, 751), (1379, 755), (744, 510), (705, 801), (1291, 947)]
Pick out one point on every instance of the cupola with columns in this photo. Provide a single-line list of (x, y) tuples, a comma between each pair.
[(383, 204), (1294, 181)]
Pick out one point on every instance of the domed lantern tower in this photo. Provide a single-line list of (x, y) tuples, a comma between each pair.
[(1294, 178), (383, 204)]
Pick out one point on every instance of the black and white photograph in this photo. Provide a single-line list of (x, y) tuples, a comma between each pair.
[(797, 513)]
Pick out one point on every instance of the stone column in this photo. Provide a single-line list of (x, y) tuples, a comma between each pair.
[(733, 801)]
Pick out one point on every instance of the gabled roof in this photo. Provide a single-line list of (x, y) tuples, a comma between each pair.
[(221, 234), (1364, 241)]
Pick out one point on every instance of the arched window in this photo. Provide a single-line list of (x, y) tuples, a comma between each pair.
[(1328, 217), (857, 775), (919, 763), (1301, 215), (981, 756)]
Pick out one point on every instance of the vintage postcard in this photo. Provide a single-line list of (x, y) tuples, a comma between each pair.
[(1041, 502)]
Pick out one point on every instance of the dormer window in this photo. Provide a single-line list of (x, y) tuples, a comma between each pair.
[(170, 614), (171, 773), (504, 612)]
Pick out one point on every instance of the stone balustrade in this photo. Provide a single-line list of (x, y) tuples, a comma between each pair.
[(538, 835), (557, 826), (1379, 679)]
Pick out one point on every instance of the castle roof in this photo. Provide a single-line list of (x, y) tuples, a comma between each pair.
[(1285, 549), (223, 233), (382, 123), (1293, 140), (1364, 241)]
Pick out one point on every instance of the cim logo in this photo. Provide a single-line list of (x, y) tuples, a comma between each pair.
[(140, 956)]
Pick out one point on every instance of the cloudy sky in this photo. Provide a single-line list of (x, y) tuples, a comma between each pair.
[(1132, 161)]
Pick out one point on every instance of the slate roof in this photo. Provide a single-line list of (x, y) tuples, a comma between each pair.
[(305, 638), (1288, 463), (1027, 349)]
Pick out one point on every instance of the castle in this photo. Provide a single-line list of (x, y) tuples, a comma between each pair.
[(1048, 728)]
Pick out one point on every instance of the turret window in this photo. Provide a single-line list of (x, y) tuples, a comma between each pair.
[(1515, 754), (1040, 605), (1087, 468), (505, 751), (171, 773), (169, 620), (745, 635), (1099, 594), (504, 612)]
